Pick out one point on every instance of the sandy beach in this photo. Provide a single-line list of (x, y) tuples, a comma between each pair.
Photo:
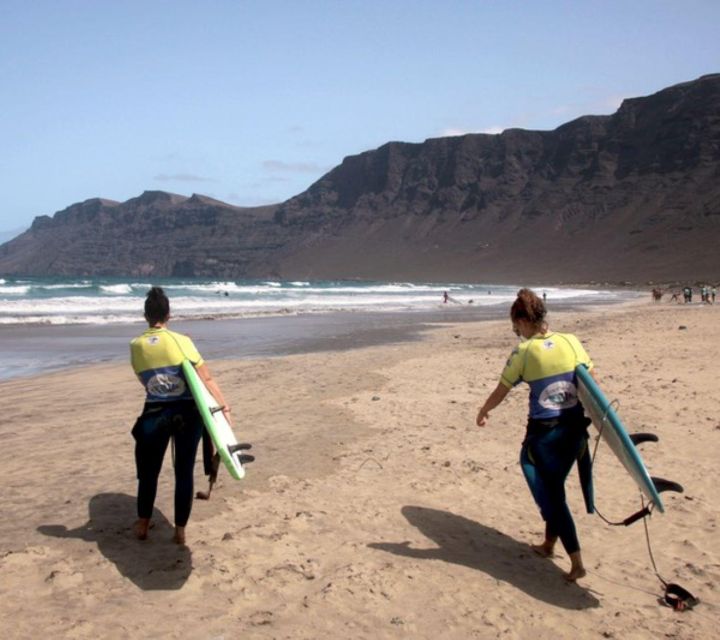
[(376, 508)]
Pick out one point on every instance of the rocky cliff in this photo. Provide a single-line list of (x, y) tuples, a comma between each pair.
[(633, 196)]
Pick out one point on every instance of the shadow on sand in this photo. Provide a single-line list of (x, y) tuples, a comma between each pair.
[(153, 564), (485, 549)]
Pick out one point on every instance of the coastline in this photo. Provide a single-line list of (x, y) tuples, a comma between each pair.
[(375, 507), (36, 349)]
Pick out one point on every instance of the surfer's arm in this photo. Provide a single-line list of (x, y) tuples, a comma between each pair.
[(494, 399), (212, 387)]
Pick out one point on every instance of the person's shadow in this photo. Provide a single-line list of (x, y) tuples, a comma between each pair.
[(155, 563), (474, 545)]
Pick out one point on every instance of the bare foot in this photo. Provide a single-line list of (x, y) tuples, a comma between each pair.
[(577, 569), (141, 527), (544, 550), (179, 537), (575, 574)]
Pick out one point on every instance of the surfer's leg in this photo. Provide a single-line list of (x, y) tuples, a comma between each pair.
[(546, 549), (553, 455), (540, 494), (151, 441), (186, 446)]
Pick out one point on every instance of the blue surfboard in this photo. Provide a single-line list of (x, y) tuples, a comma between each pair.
[(612, 431)]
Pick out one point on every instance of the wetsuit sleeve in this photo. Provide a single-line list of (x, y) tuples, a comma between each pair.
[(581, 355), (512, 373), (133, 360), (190, 351)]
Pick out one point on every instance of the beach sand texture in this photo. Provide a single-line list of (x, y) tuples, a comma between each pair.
[(376, 508)]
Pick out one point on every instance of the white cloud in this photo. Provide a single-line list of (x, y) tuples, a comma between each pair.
[(612, 102), (598, 106), (182, 177), (450, 132)]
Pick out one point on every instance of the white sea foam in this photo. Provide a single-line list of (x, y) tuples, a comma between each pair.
[(83, 284), (116, 289), (102, 301), (14, 290)]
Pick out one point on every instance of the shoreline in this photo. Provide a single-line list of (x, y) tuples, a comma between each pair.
[(33, 350), (375, 507)]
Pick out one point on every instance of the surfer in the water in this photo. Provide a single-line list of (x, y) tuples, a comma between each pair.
[(556, 433), (169, 411)]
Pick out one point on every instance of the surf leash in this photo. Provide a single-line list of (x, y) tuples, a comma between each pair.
[(676, 597)]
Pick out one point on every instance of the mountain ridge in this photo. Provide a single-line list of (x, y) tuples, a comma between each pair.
[(631, 196)]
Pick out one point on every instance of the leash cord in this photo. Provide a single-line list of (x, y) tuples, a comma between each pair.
[(592, 462), (649, 547)]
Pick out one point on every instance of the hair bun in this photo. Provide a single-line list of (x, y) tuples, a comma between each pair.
[(157, 306), (528, 306)]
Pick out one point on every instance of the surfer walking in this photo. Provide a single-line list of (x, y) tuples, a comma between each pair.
[(556, 434), (169, 412)]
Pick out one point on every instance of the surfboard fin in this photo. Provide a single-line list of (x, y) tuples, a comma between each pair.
[(244, 459), (638, 438), (660, 485), (240, 446), (666, 485)]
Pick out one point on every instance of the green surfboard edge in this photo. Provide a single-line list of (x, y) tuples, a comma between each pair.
[(194, 382)]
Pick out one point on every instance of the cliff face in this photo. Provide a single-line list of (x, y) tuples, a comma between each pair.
[(157, 233), (633, 196)]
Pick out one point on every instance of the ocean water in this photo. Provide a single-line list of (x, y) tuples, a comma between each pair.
[(102, 301), (51, 324)]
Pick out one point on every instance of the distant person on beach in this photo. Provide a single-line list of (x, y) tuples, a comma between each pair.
[(445, 297), (713, 293), (556, 434), (169, 412)]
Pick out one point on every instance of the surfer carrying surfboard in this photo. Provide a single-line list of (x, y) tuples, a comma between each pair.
[(556, 434), (169, 412)]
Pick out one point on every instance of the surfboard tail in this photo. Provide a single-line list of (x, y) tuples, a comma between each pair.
[(661, 485)]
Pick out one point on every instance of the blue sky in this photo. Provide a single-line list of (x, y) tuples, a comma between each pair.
[(251, 102)]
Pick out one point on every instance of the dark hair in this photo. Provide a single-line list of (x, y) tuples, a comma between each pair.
[(528, 306), (157, 306)]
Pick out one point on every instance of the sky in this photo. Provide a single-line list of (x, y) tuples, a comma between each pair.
[(250, 102)]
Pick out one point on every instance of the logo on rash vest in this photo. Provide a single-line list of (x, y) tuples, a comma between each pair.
[(559, 395), (163, 385)]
